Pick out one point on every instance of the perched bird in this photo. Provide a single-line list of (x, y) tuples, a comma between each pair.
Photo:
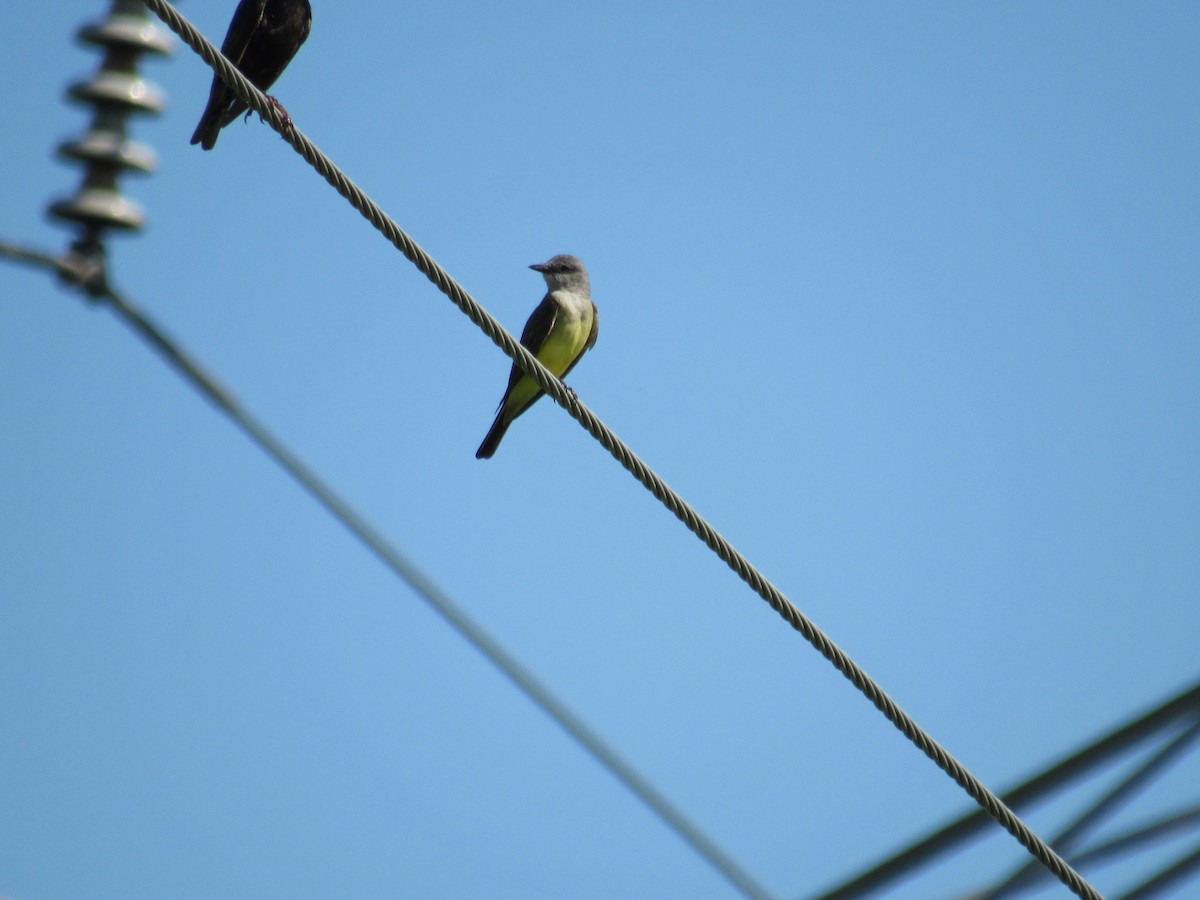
[(562, 328), (262, 39)]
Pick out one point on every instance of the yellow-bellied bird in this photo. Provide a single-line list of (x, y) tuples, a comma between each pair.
[(263, 37), (562, 328)]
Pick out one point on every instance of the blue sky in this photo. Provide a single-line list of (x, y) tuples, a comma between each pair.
[(902, 298)]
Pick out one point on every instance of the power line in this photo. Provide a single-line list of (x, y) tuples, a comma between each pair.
[(89, 276), (1130, 841), (1159, 884), (673, 501), (1071, 835), (1184, 707)]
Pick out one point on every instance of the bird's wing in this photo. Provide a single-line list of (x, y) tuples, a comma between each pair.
[(539, 325), (595, 332), (246, 19)]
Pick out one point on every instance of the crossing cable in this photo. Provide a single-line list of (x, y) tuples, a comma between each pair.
[(1073, 833), (1164, 827), (1079, 765), (622, 453), (88, 274), (1175, 873)]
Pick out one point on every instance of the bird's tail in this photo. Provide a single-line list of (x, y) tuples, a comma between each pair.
[(207, 131), (494, 436), (223, 107)]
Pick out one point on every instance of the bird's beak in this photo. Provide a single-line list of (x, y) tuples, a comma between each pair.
[(538, 267)]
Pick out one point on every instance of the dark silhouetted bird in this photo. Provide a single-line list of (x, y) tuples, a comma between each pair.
[(562, 328), (262, 39)]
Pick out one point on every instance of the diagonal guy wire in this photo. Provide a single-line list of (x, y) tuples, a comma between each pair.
[(623, 454), (77, 272)]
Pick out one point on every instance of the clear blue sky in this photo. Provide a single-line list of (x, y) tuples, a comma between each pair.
[(904, 298)]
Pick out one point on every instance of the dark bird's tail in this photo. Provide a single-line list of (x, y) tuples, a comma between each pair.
[(494, 436), (217, 115), (206, 133)]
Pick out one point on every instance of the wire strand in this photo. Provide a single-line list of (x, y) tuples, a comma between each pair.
[(97, 288), (623, 454)]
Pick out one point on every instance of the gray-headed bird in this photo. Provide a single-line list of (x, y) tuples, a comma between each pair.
[(262, 39), (562, 328)]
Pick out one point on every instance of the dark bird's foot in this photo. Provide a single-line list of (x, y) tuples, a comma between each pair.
[(571, 391), (283, 113)]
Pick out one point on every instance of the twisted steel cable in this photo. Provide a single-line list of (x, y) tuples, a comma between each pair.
[(622, 453)]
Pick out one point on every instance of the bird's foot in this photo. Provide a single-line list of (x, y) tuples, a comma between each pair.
[(283, 113), (570, 390)]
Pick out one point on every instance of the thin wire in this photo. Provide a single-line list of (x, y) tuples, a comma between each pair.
[(1070, 836), (623, 454), (1131, 841), (36, 258), (1077, 765), (1168, 878), (92, 281)]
